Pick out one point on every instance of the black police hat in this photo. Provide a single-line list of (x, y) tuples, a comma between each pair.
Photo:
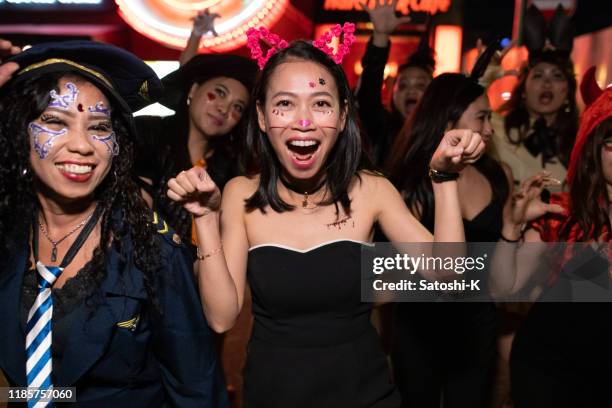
[(203, 67), (120, 74)]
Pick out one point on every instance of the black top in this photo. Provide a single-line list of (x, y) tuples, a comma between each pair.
[(312, 343), (161, 154), (380, 125)]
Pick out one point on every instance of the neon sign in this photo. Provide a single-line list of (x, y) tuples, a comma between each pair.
[(170, 21), (403, 6), (45, 2)]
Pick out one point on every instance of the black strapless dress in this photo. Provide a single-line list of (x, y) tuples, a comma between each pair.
[(312, 343)]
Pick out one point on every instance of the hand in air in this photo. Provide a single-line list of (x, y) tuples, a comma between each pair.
[(526, 205), (204, 22), (495, 70), (383, 16), (458, 148), (196, 191), (7, 70)]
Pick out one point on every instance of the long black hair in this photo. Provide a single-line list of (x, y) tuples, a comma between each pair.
[(125, 215), (443, 103), (345, 158), (565, 125), (589, 200), (227, 161)]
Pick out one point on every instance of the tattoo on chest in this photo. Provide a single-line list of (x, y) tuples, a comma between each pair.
[(341, 223)]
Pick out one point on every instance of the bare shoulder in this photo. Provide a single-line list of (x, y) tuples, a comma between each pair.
[(241, 186), (374, 190), (372, 184)]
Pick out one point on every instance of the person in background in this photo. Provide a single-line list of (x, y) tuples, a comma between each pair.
[(209, 95), (380, 125), (427, 372), (560, 354), (540, 120)]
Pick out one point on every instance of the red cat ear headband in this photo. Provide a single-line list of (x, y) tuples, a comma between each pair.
[(254, 35)]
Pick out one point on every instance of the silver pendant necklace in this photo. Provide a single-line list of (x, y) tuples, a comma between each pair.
[(54, 243)]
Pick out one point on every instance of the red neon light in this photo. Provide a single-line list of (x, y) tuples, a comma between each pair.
[(173, 15)]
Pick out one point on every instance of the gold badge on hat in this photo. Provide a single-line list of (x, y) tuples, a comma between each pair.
[(144, 91)]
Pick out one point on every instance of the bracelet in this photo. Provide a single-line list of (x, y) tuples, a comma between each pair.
[(440, 176), (512, 241), (208, 254)]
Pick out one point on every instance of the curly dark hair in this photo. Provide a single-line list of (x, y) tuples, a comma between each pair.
[(125, 215)]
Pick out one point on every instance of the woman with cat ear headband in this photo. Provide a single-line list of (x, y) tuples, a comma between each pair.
[(296, 226)]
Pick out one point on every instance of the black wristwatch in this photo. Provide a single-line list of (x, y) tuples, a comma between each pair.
[(440, 176)]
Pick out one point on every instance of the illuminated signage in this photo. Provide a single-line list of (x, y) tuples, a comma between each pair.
[(403, 6), (170, 21), (51, 2)]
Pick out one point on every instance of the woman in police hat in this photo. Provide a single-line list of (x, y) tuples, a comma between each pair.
[(95, 291), (209, 95)]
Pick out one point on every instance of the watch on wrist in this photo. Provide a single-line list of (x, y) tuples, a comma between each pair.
[(441, 176)]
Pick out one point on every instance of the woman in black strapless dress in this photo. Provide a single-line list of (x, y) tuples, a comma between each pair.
[(296, 227)]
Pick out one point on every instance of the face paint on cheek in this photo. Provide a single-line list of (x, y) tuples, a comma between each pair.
[(80, 107), (110, 141), (43, 148), (607, 148), (99, 108), (64, 101), (311, 84), (211, 96), (236, 116), (321, 81)]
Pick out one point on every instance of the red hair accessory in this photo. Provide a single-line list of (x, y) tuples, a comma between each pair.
[(600, 109), (273, 40), (254, 35), (336, 31)]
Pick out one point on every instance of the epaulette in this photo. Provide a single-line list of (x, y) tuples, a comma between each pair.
[(162, 228)]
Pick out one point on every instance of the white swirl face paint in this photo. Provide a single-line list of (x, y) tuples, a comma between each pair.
[(110, 140), (64, 101), (111, 143), (38, 132)]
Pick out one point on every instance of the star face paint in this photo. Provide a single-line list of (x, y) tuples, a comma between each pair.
[(321, 81), (64, 101), (41, 145), (311, 84)]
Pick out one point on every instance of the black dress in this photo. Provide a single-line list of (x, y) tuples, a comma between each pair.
[(445, 353), (561, 354), (312, 343)]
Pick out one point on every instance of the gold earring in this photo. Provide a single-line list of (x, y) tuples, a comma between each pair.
[(188, 100)]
